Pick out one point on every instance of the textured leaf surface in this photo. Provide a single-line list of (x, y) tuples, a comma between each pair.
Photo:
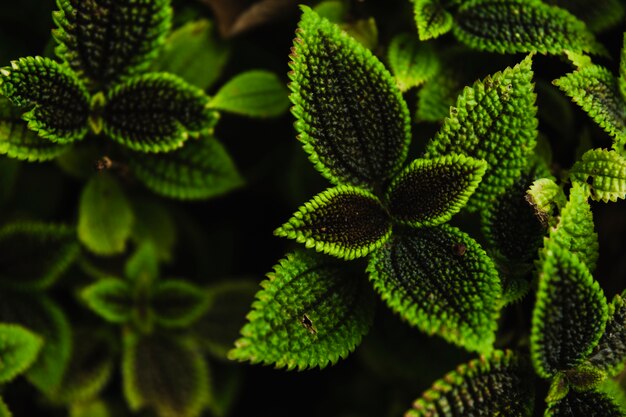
[(499, 384), (411, 61), (57, 102), (509, 26), (442, 282), (547, 198), (432, 19), (343, 221), (105, 217), (156, 112), (598, 15), (596, 91), (584, 404), (35, 255), (19, 348), (569, 315), (166, 374), (430, 191), (494, 120), (111, 299), (177, 303), (350, 115), (311, 312), (104, 41), (255, 93), (605, 173), (201, 169), (610, 354)]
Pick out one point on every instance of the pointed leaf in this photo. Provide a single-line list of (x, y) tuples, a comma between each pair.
[(411, 61), (442, 282), (510, 26), (506, 135), (610, 354), (499, 384), (105, 217), (432, 19), (156, 112), (18, 350), (201, 169), (596, 91), (105, 41), (344, 221), (57, 102), (311, 312), (598, 15), (604, 172), (570, 313), (177, 303), (584, 404), (350, 115), (255, 93), (165, 373), (35, 255), (430, 191), (111, 299)]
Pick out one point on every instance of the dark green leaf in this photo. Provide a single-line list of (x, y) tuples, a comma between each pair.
[(4, 410), (598, 15), (436, 97), (154, 223), (570, 313), (504, 103), (344, 221), (93, 408), (177, 303), (585, 377), (201, 169), (57, 101), (105, 217), (411, 61), (509, 26), (111, 299), (156, 112), (432, 19), (500, 384), (311, 312), (442, 282), (429, 192), (104, 41), (350, 115), (584, 404), (35, 255), (255, 93), (621, 80), (18, 350), (604, 172), (143, 266), (610, 354)]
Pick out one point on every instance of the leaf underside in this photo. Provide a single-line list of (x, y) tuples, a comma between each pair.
[(19, 348), (442, 282), (344, 221), (610, 354), (310, 313), (499, 384), (351, 117), (604, 172), (584, 404), (432, 19)]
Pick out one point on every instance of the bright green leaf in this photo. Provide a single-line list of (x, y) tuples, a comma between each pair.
[(333, 10), (547, 198), (18, 350), (610, 354), (584, 404), (604, 172), (311, 312), (432, 19), (442, 282), (177, 303), (344, 221), (412, 62), (111, 299)]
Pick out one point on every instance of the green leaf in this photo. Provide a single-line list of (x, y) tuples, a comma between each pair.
[(16, 141), (547, 198), (570, 313), (35, 255), (596, 91), (344, 221), (4, 410), (429, 192), (201, 169), (19, 349), (585, 377), (610, 353), (255, 93), (436, 97), (621, 80), (604, 172), (311, 312), (165, 373), (105, 217), (156, 112), (432, 19), (442, 282), (500, 384), (584, 404), (93, 408), (350, 115), (510, 26), (411, 61), (154, 223), (177, 303), (57, 101), (194, 53), (506, 135), (106, 41), (332, 10), (613, 389), (111, 299), (143, 265), (598, 15)]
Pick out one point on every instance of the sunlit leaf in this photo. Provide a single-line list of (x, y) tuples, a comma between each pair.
[(432, 19), (412, 62), (604, 172)]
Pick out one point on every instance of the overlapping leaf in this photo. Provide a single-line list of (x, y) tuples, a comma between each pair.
[(436, 97), (177, 303), (350, 115), (432, 19), (598, 15), (19, 348), (500, 384), (311, 312), (411, 61), (343, 221), (441, 281), (610, 354), (604, 172), (584, 404), (547, 198)]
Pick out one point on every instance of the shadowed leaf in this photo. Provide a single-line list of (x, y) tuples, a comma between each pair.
[(177, 303), (610, 354), (584, 404), (111, 299)]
